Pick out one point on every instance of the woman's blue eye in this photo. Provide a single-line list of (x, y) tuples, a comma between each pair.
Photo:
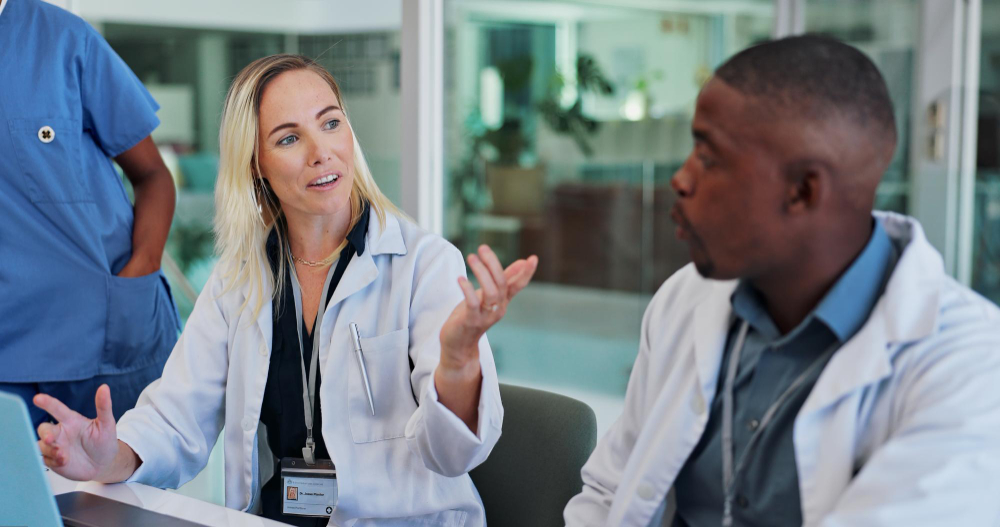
[(287, 140), (331, 124)]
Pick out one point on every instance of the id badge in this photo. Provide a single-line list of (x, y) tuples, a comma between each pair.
[(308, 490)]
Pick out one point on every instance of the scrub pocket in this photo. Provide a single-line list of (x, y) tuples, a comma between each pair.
[(142, 325), (387, 360), (51, 172)]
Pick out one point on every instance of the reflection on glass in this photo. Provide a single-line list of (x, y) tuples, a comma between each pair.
[(986, 228), (570, 158), (886, 31), (188, 72)]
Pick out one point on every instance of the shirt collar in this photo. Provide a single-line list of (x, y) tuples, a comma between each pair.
[(359, 234), (845, 307)]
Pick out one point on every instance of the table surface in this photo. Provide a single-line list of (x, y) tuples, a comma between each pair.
[(163, 502)]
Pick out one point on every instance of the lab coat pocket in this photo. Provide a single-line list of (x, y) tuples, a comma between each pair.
[(387, 361), (139, 326), (448, 518), (48, 150)]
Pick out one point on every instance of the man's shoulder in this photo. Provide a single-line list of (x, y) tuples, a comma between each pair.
[(966, 319), (961, 305), (965, 337)]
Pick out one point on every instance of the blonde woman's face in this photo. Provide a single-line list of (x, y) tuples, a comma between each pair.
[(306, 148)]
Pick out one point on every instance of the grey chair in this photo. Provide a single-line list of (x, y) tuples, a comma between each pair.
[(534, 469)]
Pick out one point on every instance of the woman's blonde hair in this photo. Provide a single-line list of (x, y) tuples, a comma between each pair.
[(246, 209)]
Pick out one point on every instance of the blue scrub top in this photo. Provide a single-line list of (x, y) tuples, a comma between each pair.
[(69, 104)]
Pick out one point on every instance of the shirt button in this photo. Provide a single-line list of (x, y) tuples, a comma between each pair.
[(263, 349), (698, 404), (248, 424), (248, 498), (646, 492), (742, 501), (46, 134), (753, 424)]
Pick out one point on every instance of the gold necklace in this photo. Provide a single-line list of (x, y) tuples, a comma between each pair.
[(322, 263), (325, 261)]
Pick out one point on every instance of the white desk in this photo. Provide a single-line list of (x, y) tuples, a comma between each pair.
[(163, 502)]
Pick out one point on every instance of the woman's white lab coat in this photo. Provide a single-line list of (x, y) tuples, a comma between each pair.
[(902, 427), (409, 460)]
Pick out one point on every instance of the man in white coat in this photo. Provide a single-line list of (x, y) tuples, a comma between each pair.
[(814, 365)]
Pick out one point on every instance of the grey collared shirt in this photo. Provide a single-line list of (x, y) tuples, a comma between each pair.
[(767, 492)]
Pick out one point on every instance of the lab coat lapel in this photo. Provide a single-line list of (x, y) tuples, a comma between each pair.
[(362, 271), (860, 362), (906, 312), (712, 319)]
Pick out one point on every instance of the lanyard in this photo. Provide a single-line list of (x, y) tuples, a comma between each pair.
[(728, 473), (309, 452)]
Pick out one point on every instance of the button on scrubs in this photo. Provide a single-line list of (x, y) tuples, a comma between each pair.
[(68, 105)]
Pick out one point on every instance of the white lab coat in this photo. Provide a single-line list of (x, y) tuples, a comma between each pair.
[(408, 461), (902, 427)]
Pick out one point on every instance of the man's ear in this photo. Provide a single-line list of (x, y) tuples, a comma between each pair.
[(807, 182)]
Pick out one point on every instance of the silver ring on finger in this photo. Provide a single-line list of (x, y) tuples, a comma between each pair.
[(492, 308)]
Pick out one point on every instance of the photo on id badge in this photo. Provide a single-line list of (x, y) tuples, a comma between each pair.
[(310, 489)]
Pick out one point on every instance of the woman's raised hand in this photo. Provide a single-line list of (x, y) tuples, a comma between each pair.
[(78, 448), (482, 307)]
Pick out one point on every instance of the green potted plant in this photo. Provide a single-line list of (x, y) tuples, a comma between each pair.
[(570, 119)]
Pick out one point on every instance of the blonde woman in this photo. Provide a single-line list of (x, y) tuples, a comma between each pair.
[(310, 252)]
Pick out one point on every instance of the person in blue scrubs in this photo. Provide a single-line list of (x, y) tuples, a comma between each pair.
[(82, 299)]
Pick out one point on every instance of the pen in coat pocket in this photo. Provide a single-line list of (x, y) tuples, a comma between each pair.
[(361, 365)]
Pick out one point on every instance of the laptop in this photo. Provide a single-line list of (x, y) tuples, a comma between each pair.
[(25, 496)]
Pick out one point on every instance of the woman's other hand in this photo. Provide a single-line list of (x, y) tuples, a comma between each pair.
[(79, 448)]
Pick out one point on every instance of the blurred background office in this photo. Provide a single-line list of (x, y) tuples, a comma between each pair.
[(554, 127)]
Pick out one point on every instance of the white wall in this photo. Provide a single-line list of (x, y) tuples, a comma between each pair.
[(294, 16)]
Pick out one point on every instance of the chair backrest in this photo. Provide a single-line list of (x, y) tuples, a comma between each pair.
[(534, 469)]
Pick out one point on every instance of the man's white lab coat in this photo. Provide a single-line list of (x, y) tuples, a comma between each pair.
[(902, 427)]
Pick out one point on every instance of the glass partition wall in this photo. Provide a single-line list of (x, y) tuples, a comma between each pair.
[(986, 224), (563, 124)]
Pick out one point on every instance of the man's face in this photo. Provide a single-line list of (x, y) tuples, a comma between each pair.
[(731, 189)]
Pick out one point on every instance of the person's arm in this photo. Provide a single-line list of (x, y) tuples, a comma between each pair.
[(459, 415), (155, 199), (125, 464), (458, 377), (603, 471), (941, 463), (119, 114)]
